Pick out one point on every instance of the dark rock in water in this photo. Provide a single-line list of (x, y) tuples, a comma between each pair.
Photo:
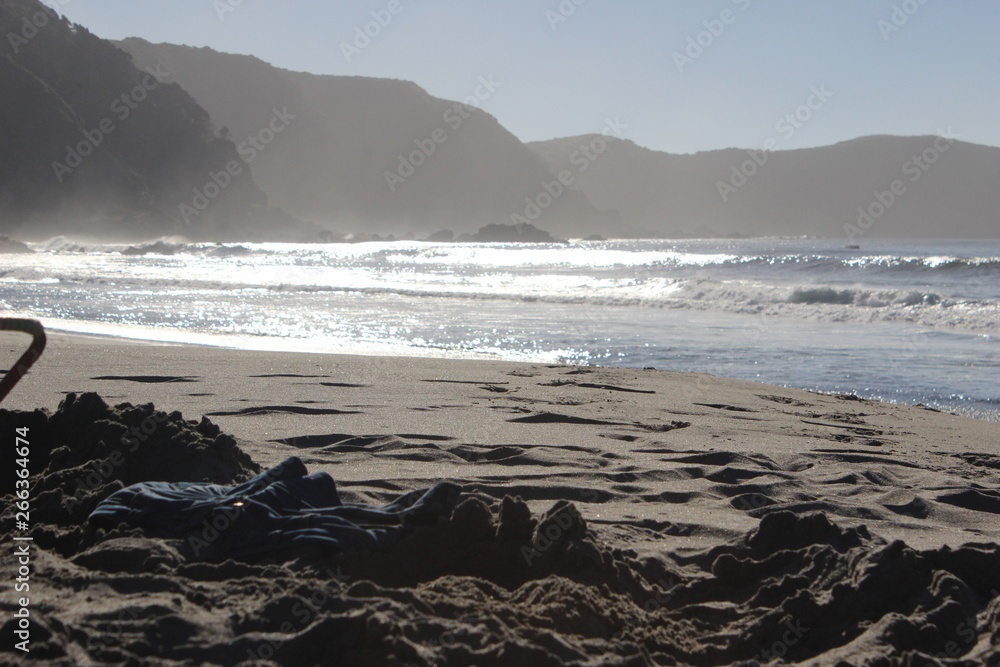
[(443, 236), (329, 236), (157, 248), (230, 251), (366, 237), (11, 246), (519, 233)]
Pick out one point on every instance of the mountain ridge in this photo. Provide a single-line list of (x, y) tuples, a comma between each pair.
[(381, 155), (841, 190), (229, 143), (94, 145)]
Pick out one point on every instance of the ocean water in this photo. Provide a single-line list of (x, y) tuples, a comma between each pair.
[(899, 321)]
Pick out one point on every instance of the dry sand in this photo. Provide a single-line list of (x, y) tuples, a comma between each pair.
[(668, 518)]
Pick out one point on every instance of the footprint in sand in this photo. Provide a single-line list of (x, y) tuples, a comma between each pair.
[(149, 379), (279, 409)]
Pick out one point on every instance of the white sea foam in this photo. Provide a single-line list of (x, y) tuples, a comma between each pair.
[(740, 308), (807, 285)]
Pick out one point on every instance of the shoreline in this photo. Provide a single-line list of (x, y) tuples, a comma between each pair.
[(263, 348)]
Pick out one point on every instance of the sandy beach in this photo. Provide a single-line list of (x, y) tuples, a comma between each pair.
[(664, 518), (499, 334)]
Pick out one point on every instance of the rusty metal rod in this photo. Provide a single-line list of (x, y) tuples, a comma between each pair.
[(31, 355)]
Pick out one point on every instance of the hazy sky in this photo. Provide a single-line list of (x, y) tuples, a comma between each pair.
[(880, 66)]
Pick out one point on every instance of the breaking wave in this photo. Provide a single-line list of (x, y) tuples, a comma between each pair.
[(799, 279)]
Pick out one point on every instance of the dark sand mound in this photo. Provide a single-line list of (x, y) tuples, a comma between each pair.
[(87, 450), (492, 584)]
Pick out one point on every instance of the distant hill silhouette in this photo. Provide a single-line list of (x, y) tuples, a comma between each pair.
[(159, 139), (93, 144), (815, 191), (519, 233), (460, 168)]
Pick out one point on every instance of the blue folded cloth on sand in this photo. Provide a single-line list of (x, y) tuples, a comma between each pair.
[(280, 507)]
